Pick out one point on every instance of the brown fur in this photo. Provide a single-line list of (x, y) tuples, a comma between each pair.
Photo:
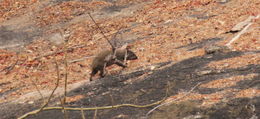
[(106, 58)]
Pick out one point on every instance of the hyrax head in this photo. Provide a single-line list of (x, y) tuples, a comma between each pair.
[(124, 52), (131, 55)]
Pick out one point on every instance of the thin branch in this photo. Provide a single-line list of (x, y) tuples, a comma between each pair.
[(92, 108), (242, 32), (57, 84), (47, 102), (64, 111), (114, 37), (239, 34), (113, 47), (147, 114), (66, 72), (80, 59), (9, 68), (59, 51), (95, 115), (66, 65), (38, 90), (82, 114), (112, 99)]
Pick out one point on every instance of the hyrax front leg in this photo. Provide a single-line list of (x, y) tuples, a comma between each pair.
[(103, 71), (94, 71)]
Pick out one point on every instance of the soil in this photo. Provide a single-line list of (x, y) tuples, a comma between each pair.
[(174, 42)]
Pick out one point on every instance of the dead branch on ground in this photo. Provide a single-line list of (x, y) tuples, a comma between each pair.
[(97, 108), (242, 32), (11, 67), (38, 90), (92, 108), (59, 51), (80, 59)]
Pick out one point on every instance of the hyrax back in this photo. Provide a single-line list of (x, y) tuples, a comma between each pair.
[(105, 59)]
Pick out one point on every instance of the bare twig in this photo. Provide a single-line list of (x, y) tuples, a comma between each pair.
[(57, 84), (48, 100), (242, 32), (82, 114), (66, 65), (167, 89), (112, 99), (112, 46), (64, 111), (38, 90), (147, 114), (80, 59), (9, 68), (66, 72), (95, 115), (60, 51), (238, 35), (92, 108)]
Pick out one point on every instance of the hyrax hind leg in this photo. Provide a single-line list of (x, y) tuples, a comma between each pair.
[(103, 70), (94, 71)]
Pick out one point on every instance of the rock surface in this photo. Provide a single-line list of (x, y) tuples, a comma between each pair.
[(180, 44)]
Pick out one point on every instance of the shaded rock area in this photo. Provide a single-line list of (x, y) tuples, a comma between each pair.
[(12, 39), (113, 90), (237, 108)]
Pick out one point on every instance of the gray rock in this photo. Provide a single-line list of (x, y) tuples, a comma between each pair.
[(216, 49)]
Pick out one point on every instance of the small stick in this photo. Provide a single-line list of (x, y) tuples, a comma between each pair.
[(82, 114), (9, 68), (112, 99), (60, 51), (80, 59), (113, 48), (91, 108), (64, 111), (125, 57), (38, 90), (57, 84), (66, 73), (240, 33), (66, 65), (95, 115)]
